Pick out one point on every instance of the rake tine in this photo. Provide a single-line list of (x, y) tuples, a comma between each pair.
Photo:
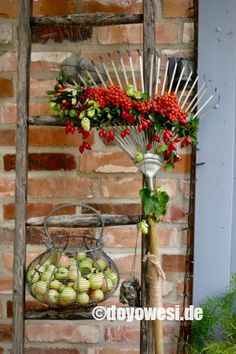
[(215, 106), (81, 79), (90, 76), (173, 77), (99, 75), (165, 77), (180, 78), (115, 71), (158, 60), (141, 69), (190, 91), (132, 69), (185, 86), (198, 100), (204, 86), (151, 76), (204, 105), (123, 67), (106, 71)]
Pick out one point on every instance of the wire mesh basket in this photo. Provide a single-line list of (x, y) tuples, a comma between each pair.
[(69, 275)]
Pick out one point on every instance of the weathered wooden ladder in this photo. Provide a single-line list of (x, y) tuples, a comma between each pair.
[(26, 21)]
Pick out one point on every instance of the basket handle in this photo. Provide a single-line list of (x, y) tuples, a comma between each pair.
[(49, 240)]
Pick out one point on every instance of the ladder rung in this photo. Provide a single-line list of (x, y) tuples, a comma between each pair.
[(58, 314), (84, 220), (87, 19), (48, 120)]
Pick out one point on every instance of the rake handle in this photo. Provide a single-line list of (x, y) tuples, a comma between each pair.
[(157, 324)]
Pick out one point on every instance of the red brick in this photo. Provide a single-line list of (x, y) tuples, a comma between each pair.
[(121, 187), (106, 162), (180, 287), (2, 351), (185, 237), (121, 236), (52, 351), (36, 235), (29, 305), (6, 235), (61, 332), (54, 137), (166, 32), (7, 137), (185, 187), (5, 284), (47, 61), (176, 214), (35, 109), (124, 262), (62, 187), (188, 32), (184, 165), (8, 259), (166, 237), (115, 209), (43, 161), (5, 333), (40, 8), (122, 333), (6, 88), (174, 262), (42, 34), (167, 287), (7, 187), (39, 87), (180, 8), (35, 209), (8, 61), (169, 186), (110, 6)]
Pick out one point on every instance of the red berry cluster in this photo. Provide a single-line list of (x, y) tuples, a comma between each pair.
[(168, 106)]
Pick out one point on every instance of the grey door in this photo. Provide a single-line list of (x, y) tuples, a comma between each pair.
[(215, 222)]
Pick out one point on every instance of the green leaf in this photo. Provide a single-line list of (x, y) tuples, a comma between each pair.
[(162, 148), (169, 166)]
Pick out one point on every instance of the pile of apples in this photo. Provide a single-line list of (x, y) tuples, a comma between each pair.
[(62, 280)]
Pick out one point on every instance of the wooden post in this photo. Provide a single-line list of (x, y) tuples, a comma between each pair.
[(146, 344), (24, 45)]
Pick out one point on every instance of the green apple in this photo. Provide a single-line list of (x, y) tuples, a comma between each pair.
[(108, 271), (96, 281), (100, 264), (64, 261), (52, 297), (72, 267), (61, 288), (113, 276), (70, 284), (47, 276), (32, 276), (81, 256), (83, 285), (40, 268), (51, 268), (107, 285), (97, 295), (73, 275), (40, 288), (67, 296), (82, 299), (72, 262), (47, 263), (61, 273), (55, 284)]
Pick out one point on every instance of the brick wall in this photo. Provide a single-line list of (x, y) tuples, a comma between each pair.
[(105, 178)]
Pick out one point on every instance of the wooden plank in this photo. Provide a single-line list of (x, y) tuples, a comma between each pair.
[(84, 220), (58, 314), (24, 49), (48, 120), (146, 345), (88, 19)]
